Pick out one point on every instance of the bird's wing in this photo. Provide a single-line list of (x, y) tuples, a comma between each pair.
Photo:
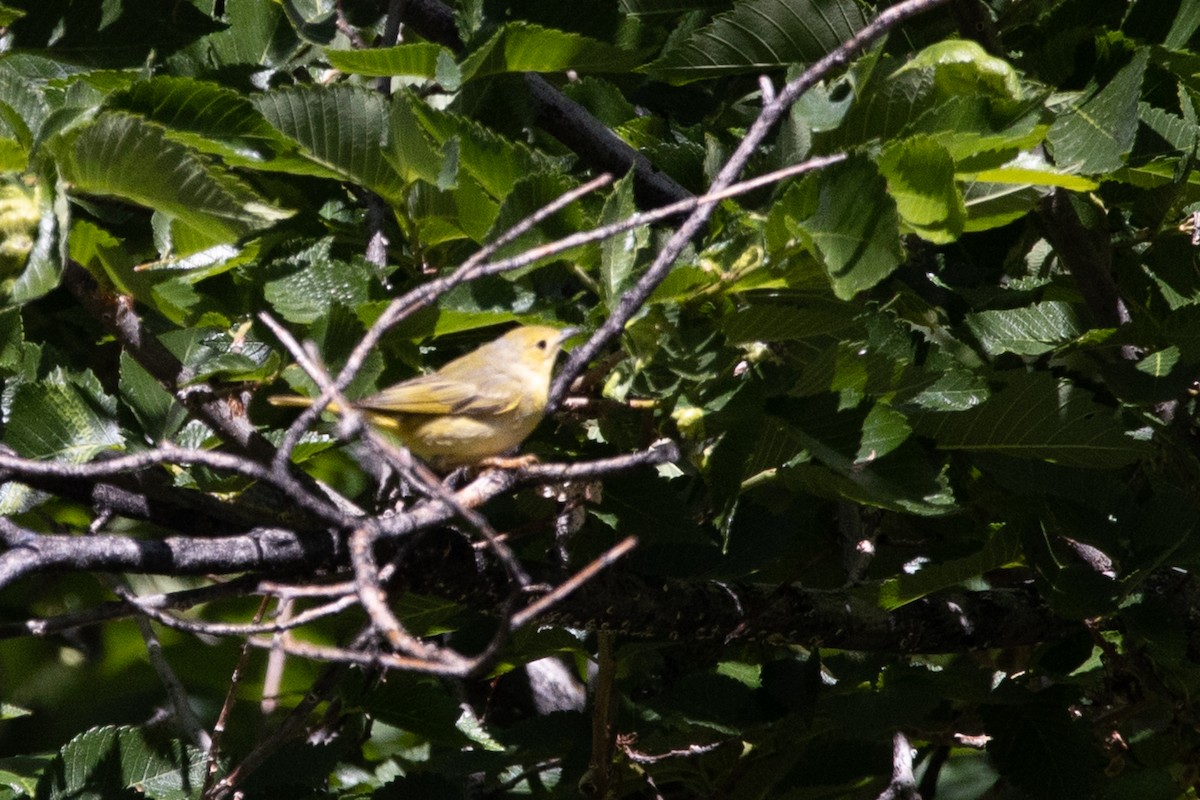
[(437, 394)]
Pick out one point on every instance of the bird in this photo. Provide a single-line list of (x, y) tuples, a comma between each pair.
[(479, 406)]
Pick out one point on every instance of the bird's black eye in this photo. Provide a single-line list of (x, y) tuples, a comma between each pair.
[(542, 344)]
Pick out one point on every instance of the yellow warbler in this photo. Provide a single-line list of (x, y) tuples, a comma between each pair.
[(478, 406)]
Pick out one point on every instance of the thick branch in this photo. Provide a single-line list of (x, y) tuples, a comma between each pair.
[(275, 549), (224, 415)]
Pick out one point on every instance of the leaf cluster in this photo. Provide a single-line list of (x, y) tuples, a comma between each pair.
[(935, 401)]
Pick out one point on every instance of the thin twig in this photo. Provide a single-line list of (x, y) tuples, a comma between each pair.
[(605, 560), (184, 714), (374, 600), (235, 679)]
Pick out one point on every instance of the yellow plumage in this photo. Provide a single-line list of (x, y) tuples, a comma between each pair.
[(478, 406)]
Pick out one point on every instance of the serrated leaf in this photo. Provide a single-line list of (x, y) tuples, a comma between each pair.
[(884, 430), (496, 162), (807, 316), (406, 60), (523, 47), (759, 36), (1036, 416), (1097, 134), (341, 130), (206, 116), (158, 412), (1175, 130), (62, 418), (307, 293), (123, 156), (1030, 331), (954, 390), (111, 761), (855, 227)]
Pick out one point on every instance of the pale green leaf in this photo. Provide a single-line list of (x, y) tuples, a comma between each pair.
[(920, 177), (418, 60), (523, 47)]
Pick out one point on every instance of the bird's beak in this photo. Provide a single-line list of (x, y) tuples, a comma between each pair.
[(566, 333)]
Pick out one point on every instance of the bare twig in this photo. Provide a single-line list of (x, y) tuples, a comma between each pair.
[(607, 559), (184, 715), (214, 751), (276, 548)]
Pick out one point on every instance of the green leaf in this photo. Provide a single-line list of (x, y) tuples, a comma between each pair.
[(9, 15), (993, 205), (341, 130), (855, 227), (954, 91), (1097, 134), (418, 60), (522, 47), (9, 711), (964, 67), (759, 36), (307, 293), (319, 31), (808, 315), (157, 411), (44, 263), (905, 480), (1185, 24), (111, 761), (1024, 176), (619, 254), (419, 705), (1178, 132), (19, 774), (1029, 331), (954, 390), (62, 418), (12, 340), (1001, 550), (1036, 416), (497, 162), (920, 176), (123, 156), (206, 116), (884, 430)]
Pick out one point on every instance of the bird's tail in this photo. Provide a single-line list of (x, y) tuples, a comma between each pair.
[(293, 400)]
